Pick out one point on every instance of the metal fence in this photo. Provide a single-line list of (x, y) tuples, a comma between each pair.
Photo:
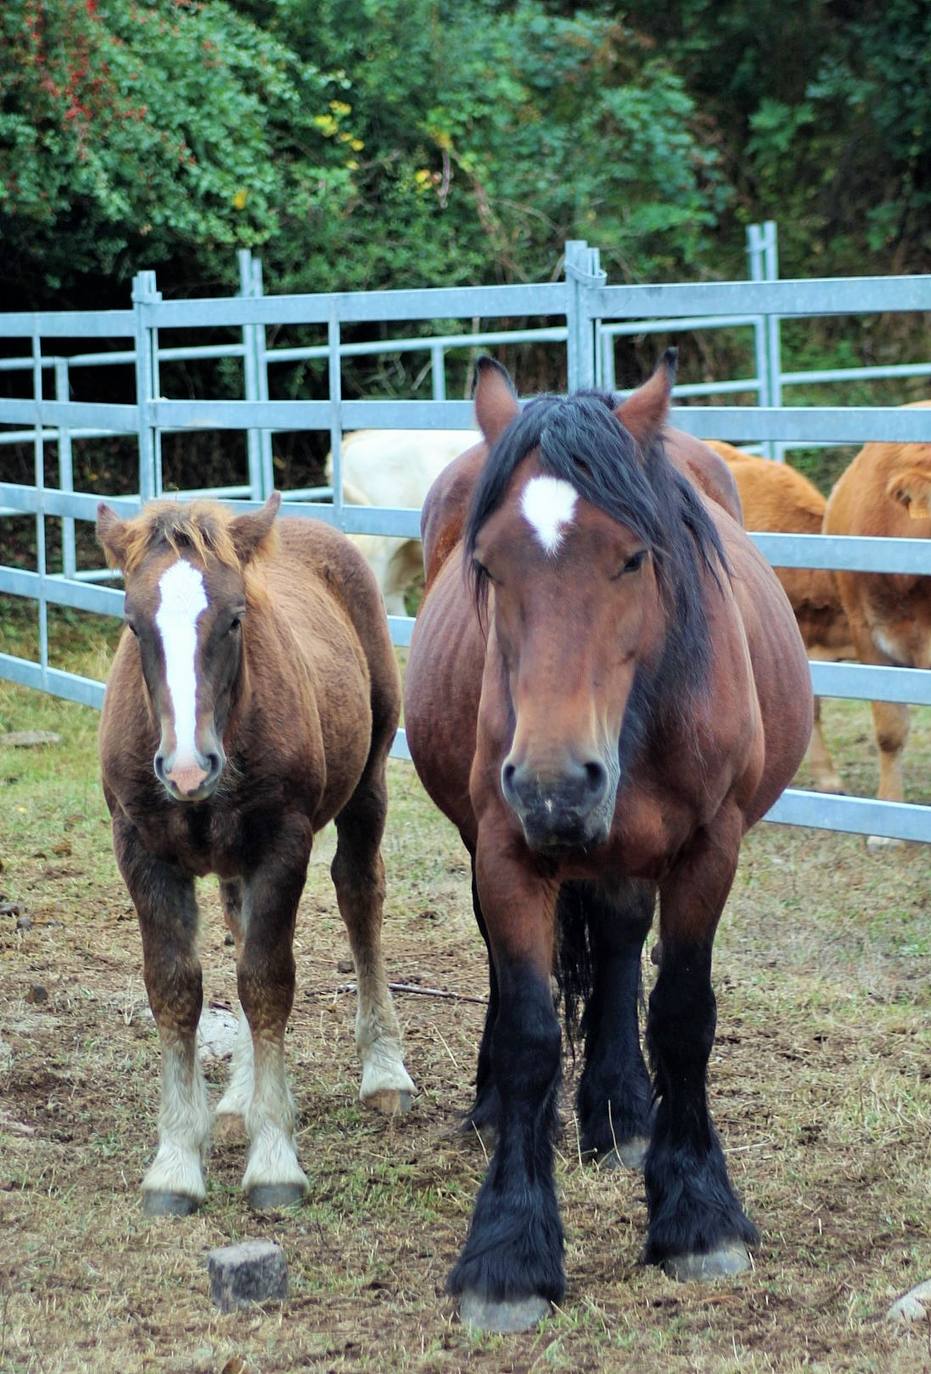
[(581, 305)]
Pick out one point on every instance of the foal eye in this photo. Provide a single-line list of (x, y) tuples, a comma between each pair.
[(131, 627), (235, 623)]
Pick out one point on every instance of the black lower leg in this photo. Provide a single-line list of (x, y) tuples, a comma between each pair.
[(515, 1244), (615, 1095), (692, 1205)]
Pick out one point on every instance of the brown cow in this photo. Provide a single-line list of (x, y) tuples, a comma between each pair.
[(776, 499), (887, 491)]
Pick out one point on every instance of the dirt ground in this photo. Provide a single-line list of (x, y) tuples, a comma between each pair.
[(820, 1082)]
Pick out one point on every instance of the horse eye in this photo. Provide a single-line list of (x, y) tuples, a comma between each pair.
[(131, 627), (235, 623), (634, 562)]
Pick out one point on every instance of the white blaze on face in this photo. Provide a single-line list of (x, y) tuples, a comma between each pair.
[(183, 598), (548, 503)]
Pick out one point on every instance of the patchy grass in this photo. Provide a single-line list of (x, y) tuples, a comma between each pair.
[(820, 1082)]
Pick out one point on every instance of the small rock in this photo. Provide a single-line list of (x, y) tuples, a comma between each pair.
[(10, 908), (915, 1306), (228, 939), (37, 994), (345, 966), (24, 922), (216, 1033), (29, 739), (254, 1271)]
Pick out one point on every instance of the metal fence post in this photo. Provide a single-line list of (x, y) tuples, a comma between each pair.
[(65, 470), (583, 272), (757, 268), (438, 371), (773, 324), (144, 295), (250, 378), (336, 411), (39, 476)]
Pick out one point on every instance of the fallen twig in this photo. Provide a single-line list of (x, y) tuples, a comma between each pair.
[(405, 987)]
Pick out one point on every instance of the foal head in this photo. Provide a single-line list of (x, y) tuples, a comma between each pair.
[(185, 570), (593, 548)]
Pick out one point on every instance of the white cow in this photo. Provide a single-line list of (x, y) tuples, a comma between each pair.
[(395, 467)]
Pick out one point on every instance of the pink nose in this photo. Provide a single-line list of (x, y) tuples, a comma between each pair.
[(187, 779)]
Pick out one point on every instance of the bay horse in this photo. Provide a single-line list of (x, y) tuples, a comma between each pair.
[(606, 688), (253, 697)]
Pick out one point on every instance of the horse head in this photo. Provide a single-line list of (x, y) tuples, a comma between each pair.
[(185, 569), (587, 547)]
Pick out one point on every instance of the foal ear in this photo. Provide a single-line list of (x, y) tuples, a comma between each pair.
[(496, 402), (112, 536), (645, 412), (253, 533), (912, 489)]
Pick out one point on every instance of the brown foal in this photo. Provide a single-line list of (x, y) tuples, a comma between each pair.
[(253, 698)]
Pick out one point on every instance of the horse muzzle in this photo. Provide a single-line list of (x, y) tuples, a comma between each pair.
[(190, 779), (570, 809)]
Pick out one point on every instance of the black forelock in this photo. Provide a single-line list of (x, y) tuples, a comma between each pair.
[(580, 440)]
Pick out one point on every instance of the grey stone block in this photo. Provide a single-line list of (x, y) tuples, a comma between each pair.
[(254, 1271)]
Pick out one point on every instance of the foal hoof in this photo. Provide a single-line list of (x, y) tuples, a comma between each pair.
[(722, 1263), (271, 1197), (629, 1154), (485, 1314), (158, 1203), (389, 1101)]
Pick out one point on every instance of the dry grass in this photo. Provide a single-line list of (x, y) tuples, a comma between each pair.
[(820, 1081)]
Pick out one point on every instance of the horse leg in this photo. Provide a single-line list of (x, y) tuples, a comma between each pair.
[(697, 1228), (265, 976), (359, 877), (891, 723), (164, 900), (483, 1114), (615, 1095), (233, 1105), (510, 1268), (824, 773)]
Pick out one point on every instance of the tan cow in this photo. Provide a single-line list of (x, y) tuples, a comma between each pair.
[(887, 491), (778, 499)]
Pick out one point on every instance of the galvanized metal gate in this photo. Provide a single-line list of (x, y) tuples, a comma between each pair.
[(591, 314)]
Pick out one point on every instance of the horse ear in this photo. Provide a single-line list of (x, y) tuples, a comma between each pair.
[(912, 489), (254, 532), (645, 412), (112, 536), (496, 402)]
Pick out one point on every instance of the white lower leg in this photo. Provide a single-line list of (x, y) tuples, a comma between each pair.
[(270, 1121), (378, 1039), (183, 1123), (235, 1100)]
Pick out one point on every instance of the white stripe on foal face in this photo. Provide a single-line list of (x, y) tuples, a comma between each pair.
[(182, 599), (548, 503)]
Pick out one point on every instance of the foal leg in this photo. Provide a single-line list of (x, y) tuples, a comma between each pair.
[(359, 877), (265, 976), (615, 1095), (164, 899), (697, 1229), (233, 1105), (510, 1268), (824, 773), (891, 722)]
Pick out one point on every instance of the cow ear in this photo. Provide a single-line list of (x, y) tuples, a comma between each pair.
[(496, 403), (254, 533), (645, 412), (112, 536), (912, 489)]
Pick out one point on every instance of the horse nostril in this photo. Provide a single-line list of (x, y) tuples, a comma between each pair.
[(160, 766), (596, 776), (213, 764), (507, 775)]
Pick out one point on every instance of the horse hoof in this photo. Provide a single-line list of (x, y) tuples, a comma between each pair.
[(271, 1197), (390, 1101), (158, 1203), (722, 1263), (485, 1314), (630, 1154)]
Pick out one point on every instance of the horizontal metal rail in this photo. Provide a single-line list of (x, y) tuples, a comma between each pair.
[(807, 297)]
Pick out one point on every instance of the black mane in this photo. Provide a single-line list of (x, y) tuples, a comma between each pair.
[(580, 440)]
